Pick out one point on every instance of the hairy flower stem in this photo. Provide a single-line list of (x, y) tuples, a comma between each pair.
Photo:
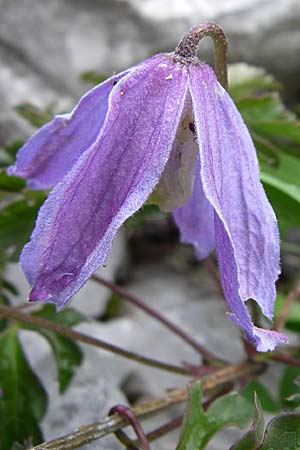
[(110, 424), (207, 355), (187, 47), (12, 313)]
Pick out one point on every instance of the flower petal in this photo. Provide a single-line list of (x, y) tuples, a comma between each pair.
[(264, 340), (54, 148), (195, 220), (230, 177), (110, 181)]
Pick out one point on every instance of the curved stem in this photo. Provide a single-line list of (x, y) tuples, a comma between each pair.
[(12, 313), (89, 433), (126, 412), (187, 47), (208, 356)]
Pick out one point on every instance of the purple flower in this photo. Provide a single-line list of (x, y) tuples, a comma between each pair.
[(165, 131)]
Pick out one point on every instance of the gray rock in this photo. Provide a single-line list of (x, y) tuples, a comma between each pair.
[(43, 53), (93, 390)]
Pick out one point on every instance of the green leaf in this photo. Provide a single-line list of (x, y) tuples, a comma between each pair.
[(23, 401), (246, 80), (93, 77), (10, 183), (265, 399), (148, 213), (252, 439), (69, 317), (289, 386), (282, 185), (282, 433), (273, 127), (17, 219), (34, 115), (67, 353), (8, 153), (199, 426)]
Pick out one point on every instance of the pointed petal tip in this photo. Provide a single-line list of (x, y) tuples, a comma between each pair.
[(267, 340), (264, 340), (39, 295)]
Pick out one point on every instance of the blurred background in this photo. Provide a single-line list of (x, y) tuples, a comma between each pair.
[(51, 52), (46, 45)]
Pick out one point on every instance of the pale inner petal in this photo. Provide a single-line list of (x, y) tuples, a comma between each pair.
[(176, 183)]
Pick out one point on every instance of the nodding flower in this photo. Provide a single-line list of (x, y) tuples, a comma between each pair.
[(167, 132)]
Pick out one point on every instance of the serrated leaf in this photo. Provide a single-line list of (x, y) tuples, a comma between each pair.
[(282, 433), (199, 426), (67, 353), (252, 439), (261, 392), (23, 401)]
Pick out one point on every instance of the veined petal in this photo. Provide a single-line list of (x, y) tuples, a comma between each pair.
[(230, 177), (264, 340), (110, 181), (54, 148), (195, 220)]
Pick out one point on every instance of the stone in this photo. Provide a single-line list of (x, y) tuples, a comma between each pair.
[(43, 53)]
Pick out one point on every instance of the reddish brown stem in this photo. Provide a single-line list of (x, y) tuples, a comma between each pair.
[(12, 313), (207, 355), (283, 314), (126, 413)]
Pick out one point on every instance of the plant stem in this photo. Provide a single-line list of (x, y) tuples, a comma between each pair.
[(284, 312), (175, 423), (210, 265), (94, 431), (207, 355), (76, 335), (187, 47)]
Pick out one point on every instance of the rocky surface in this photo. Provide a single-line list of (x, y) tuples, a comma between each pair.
[(45, 46), (189, 299)]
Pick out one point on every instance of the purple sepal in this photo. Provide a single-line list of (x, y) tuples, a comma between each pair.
[(108, 183), (195, 220), (249, 261), (48, 155)]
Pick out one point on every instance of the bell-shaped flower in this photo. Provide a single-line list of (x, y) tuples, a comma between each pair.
[(165, 131)]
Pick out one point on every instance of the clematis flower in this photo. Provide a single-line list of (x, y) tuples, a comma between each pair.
[(167, 132)]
